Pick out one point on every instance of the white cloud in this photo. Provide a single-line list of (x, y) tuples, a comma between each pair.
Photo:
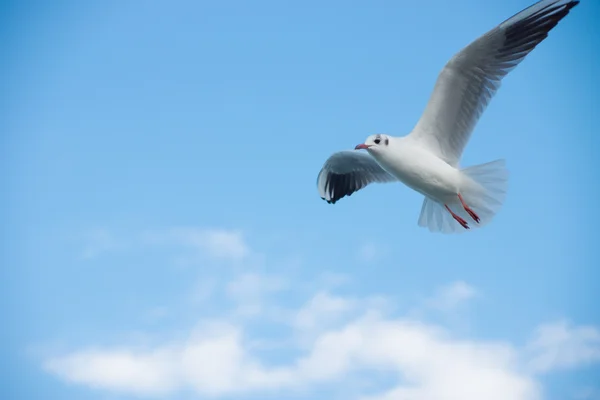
[(329, 339), (429, 362), (433, 365), (560, 345), (214, 361), (123, 370)]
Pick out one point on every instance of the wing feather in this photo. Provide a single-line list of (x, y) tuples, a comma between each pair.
[(470, 79), (348, 171)]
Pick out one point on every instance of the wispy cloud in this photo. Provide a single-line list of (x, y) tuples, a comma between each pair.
[(155, 314), (202, 290), (369, 252), (219, 243), (561, 345), (250, 286), (214, 242), (322, 310), (451, 296), (587, 393), (250, 290)]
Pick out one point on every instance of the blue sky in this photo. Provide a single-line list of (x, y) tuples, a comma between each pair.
[(163, 236)]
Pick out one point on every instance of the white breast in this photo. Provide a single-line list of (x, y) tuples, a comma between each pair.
[(419, 169)]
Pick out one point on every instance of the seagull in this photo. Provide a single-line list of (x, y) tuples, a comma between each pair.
[(427, 159)]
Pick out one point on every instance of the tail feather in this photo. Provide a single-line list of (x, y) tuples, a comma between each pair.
[(483, 189), (435, 217)]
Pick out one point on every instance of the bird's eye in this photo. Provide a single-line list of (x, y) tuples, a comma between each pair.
[(377, 141)]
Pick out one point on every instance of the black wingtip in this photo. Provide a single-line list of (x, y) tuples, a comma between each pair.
[(335, 200), (328, 201), (332, 201), (571, 4), (568, 6)]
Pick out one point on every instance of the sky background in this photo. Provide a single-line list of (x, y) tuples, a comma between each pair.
[(162, 234)]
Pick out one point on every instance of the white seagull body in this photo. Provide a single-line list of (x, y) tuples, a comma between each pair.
[(427, 159)]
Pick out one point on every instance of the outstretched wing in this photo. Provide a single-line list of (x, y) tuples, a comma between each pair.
[(470, 79), (348, 171)]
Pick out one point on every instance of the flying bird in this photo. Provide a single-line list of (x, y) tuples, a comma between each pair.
[(427, 159)]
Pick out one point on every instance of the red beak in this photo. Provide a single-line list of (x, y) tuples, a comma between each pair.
[(361, 146)]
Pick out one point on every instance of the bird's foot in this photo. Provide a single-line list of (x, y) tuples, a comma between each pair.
[(469, 210), (458, 219)]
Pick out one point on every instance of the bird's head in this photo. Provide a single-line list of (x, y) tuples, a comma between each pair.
[(374, 143)]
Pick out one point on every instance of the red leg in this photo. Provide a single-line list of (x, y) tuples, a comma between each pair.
[(468, 209), (457, 218)]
